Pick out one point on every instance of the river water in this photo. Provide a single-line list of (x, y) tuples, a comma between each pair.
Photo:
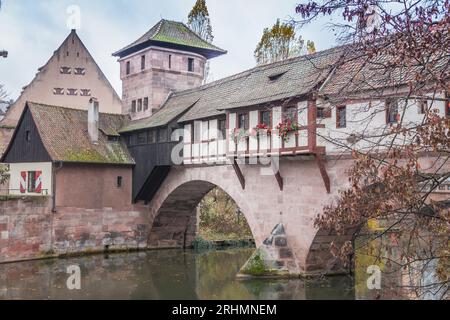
[(162, 274)]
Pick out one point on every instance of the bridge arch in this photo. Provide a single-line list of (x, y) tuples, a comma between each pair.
[(173, 212)]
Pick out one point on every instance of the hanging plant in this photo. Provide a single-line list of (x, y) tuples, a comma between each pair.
[(239, 134), (286, 127), (262, 129)]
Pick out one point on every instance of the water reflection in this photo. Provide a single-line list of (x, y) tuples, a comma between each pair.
[(165, 274)]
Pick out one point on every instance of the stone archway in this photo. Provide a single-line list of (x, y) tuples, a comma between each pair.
[(176, 223), (264, 205)]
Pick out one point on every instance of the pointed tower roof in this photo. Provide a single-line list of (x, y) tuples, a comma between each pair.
[(175, 35)]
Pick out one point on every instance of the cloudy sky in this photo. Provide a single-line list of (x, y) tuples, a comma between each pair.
[(32, 29)]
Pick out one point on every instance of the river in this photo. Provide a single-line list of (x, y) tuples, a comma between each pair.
[(162, 274)]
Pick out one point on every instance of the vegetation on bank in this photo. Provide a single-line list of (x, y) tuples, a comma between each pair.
[(221, 219)]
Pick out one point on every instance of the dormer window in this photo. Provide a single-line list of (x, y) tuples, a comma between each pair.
[(191, 64), (65, 70), (276, 76), (80, 71)]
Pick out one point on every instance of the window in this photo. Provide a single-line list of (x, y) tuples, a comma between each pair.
[(139, 109), (128, 68), (422, 106), (392, 115), (142, 62), (31, 186), (323, 113), (265, 118), (222, 129), (72, 92), (119, 182), (28, 136), (170, 61), (129, 140), (113, 139), (190, 64), (66, 70), (80, 71), (341, 117), (133, 106), (197, 132), (151, 136), (243, 121), (447, 105), (145, 104), (85, 92), (58, 91), (162, 135), (142, 138), (290, 113)]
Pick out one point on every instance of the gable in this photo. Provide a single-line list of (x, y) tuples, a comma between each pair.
[(22, 149), (70, 68)]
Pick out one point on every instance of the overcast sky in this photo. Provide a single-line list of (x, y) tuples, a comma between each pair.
[(32, 29)]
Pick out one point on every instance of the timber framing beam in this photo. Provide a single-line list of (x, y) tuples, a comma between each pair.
[(323, 171), (238, 172), (276, 172)]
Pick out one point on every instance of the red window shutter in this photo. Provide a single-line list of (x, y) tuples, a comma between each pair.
[(38, 185), (23, 182)]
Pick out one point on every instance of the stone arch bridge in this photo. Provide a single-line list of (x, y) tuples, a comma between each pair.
[(265, 205)]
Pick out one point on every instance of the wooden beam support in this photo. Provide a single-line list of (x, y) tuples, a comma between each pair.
[(323, 171), (276, 172), (238, 173)]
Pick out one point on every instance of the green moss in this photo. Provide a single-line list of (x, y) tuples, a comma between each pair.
[(85, 156), (34, 199), (7, 127), (114, 154), (256, 266)]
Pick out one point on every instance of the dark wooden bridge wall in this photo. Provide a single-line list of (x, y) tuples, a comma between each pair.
[(149, 157)]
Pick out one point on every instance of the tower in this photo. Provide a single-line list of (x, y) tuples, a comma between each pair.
[(169, 57)]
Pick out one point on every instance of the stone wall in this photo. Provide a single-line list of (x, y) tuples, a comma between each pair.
[(29, 230)]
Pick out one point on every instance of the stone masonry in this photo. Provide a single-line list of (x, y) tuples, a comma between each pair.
[(29, 230), (165, 71)]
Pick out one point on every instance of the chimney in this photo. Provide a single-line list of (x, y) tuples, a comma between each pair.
[(93, 120)]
